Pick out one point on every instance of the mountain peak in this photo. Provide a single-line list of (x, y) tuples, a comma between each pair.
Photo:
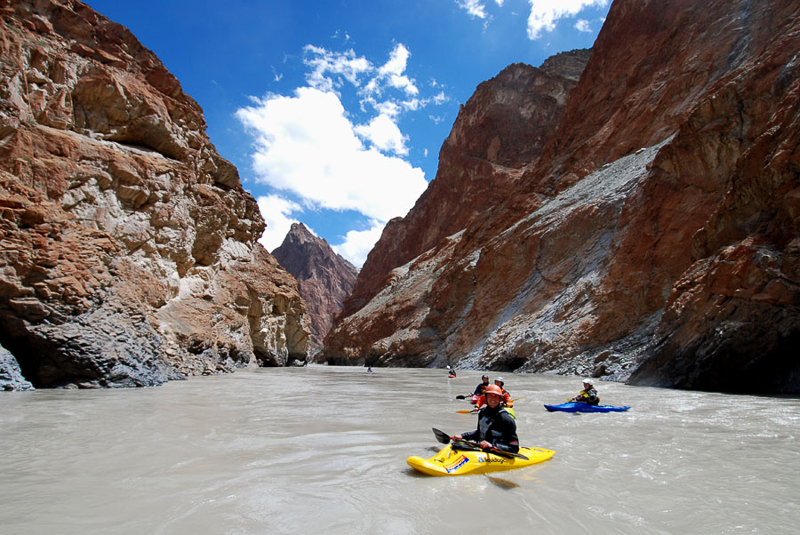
[(324, 278)]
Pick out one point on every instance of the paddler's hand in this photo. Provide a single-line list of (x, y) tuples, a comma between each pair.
[(456, 437), (485, 445)]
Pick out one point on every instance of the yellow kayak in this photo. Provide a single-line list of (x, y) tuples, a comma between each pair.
[(457, 462)]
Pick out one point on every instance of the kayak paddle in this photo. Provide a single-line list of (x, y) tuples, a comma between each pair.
[(444, 438)]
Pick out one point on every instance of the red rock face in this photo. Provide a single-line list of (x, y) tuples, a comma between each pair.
[(325, 278), (500, 130), (129, 246), (671, 265)]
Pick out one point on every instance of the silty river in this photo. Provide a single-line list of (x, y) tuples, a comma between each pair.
[(322, 450)]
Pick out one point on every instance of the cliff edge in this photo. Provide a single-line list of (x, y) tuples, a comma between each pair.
[(130, 252)]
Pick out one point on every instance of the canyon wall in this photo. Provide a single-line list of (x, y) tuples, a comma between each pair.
[(325, 278), (130, 252), (650, 235)]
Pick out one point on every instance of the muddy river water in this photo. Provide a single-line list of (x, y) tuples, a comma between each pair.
[(322, 450)]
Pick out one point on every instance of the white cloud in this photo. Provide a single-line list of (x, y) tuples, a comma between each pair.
[(329, 68), (384, 134), (391, 75), (305, 144), (440, 98), (398, 60), (388, 108), (358, 243), (276, 212), (475, 8), (546, 13), (309, 145)]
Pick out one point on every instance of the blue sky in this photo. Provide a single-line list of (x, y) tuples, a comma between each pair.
[(334, 111)]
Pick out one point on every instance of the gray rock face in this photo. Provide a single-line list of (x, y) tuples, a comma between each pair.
[(651, 235), (130, 253), (498, 132), (10, 375)]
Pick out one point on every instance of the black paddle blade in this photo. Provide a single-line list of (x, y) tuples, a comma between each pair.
[(507, 454), (465, 446), (441, 436), (461, 397)]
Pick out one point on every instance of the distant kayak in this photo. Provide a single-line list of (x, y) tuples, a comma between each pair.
[(458, 462), (583, 407)]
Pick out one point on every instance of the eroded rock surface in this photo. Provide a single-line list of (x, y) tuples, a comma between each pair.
[(129, 246), (324, 277), (652, 236)]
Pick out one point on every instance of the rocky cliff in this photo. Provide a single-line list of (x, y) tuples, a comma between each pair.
[(651, 236), (498, 132), (129, 246), (325, 278)]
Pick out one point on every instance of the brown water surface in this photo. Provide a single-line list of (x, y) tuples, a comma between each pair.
[(322, 450)]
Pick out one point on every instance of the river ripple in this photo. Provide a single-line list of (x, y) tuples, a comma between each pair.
[(322, 450)]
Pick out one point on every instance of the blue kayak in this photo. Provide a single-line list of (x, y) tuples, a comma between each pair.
[(583, 407)]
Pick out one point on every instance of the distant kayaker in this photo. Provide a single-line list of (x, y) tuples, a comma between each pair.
[(483, 384), (588, 395), (496, 428), (451, 372), (506, 401), (479, 399)]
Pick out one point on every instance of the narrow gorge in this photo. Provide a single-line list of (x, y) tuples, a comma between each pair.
[(630, 215)]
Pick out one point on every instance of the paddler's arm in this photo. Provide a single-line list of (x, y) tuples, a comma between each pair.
[(510, 441)]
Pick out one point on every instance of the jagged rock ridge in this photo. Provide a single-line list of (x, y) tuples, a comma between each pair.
[(652, 238), (497, 133), (130, 251), (324, 277)]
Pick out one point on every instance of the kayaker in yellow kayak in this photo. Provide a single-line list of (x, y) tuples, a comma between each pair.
[(588, 395), (496, 428)]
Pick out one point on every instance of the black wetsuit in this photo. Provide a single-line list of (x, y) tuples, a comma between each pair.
[(496, 427), (588, 396), (477, 391)]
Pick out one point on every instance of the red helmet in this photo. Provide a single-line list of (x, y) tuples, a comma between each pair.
[(494, 389)]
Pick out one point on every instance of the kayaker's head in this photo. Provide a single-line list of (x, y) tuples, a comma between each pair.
[(499, 381), (493, 395), (485, 379), (587, 383)]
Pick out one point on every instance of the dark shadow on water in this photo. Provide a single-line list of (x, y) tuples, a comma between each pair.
[(415, 473), (502, 483)]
